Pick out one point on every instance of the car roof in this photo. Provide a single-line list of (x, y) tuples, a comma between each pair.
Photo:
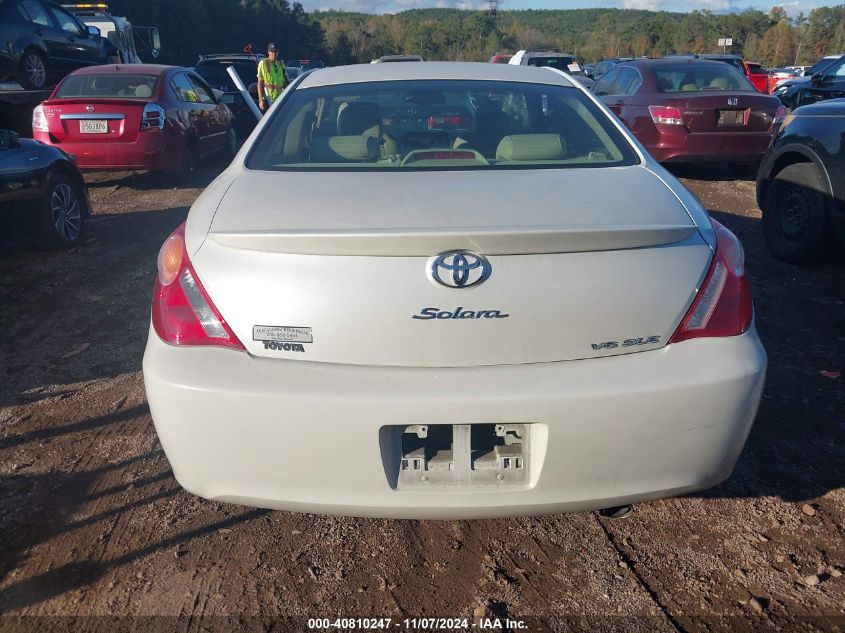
[(707, 55), (671, 61), (135, 69), (238, 57), (467, 71), (532, 54)]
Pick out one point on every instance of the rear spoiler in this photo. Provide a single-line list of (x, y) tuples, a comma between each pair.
[(424, 241)]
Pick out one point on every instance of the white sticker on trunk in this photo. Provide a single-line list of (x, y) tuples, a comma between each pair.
[(282, 334)]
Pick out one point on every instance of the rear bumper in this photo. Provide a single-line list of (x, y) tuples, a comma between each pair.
[(711, 147), (153, 150), (305, 436)]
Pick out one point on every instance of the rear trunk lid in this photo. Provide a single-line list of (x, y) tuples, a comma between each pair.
[(94, 120), (337, 267), (722, 111)]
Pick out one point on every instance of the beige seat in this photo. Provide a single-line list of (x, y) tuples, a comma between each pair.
[(531, 147), (143, 91), (355, 148), (364, 118), (720, 82)]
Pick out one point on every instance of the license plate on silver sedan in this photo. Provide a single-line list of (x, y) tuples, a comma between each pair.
[(94, 126)]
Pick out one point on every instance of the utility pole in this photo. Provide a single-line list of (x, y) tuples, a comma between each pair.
[(494, 10)]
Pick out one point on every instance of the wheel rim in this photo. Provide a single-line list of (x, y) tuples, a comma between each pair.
[(34, 69), (67, 216), (794, 214)]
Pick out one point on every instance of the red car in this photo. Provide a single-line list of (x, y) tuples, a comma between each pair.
[(138, 116), (757, 76), (501, 58), (691, 110)]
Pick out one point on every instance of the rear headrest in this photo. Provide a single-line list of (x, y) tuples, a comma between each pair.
[(719, 82), (664, 84), (531, 147), (358, 117), (344, 149), (143, 91)]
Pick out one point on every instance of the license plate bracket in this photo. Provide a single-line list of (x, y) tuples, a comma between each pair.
[(731, 117), (94, 126)]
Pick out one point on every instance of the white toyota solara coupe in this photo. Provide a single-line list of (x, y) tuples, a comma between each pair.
[(449, 290)]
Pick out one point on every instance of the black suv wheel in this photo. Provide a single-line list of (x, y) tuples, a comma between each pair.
[(795, 215)]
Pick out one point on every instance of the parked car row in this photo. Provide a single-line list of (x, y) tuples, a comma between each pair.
[(40, 42)]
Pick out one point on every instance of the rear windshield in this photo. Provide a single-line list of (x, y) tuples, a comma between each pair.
[(431, 125), (566, 63), (217, 76), (690, 77), (113, 85), (821, 65)]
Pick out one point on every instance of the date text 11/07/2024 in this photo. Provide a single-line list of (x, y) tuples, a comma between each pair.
[(416, 624)]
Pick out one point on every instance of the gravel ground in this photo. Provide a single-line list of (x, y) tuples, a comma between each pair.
[(92, 522)]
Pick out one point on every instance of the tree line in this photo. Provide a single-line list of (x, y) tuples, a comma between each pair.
[(192, 27), (773, 38)]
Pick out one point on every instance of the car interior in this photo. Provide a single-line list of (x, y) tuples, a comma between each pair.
[(697, 77), (111, 85), (439, 126)]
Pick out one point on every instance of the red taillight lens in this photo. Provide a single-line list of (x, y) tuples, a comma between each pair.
[(723, 306), (182, 312), (665, 115), (447, 121)]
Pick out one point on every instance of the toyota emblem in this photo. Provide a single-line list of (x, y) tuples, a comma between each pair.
[(460, 269), (89, 108)]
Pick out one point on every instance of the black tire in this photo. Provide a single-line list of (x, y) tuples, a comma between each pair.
[(60, 217), (796, 221), (33, 70)]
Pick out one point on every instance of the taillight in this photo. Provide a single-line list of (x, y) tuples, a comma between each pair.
[(448, 121), (723, 306), (154, 117), (39, 121), (665, 115), (182, 312)]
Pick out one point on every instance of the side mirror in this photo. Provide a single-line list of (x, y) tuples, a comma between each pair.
[(94, 31), (9, 139)]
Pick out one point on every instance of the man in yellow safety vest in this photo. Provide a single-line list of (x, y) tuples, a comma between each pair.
[(272, 77)]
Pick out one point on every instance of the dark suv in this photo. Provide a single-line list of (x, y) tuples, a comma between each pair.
[(801, 183), (214, 69), (40, 42)]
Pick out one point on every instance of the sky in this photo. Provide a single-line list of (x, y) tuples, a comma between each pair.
[(393, 6)]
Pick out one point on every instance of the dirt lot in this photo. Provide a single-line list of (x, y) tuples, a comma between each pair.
[(92, 522)]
